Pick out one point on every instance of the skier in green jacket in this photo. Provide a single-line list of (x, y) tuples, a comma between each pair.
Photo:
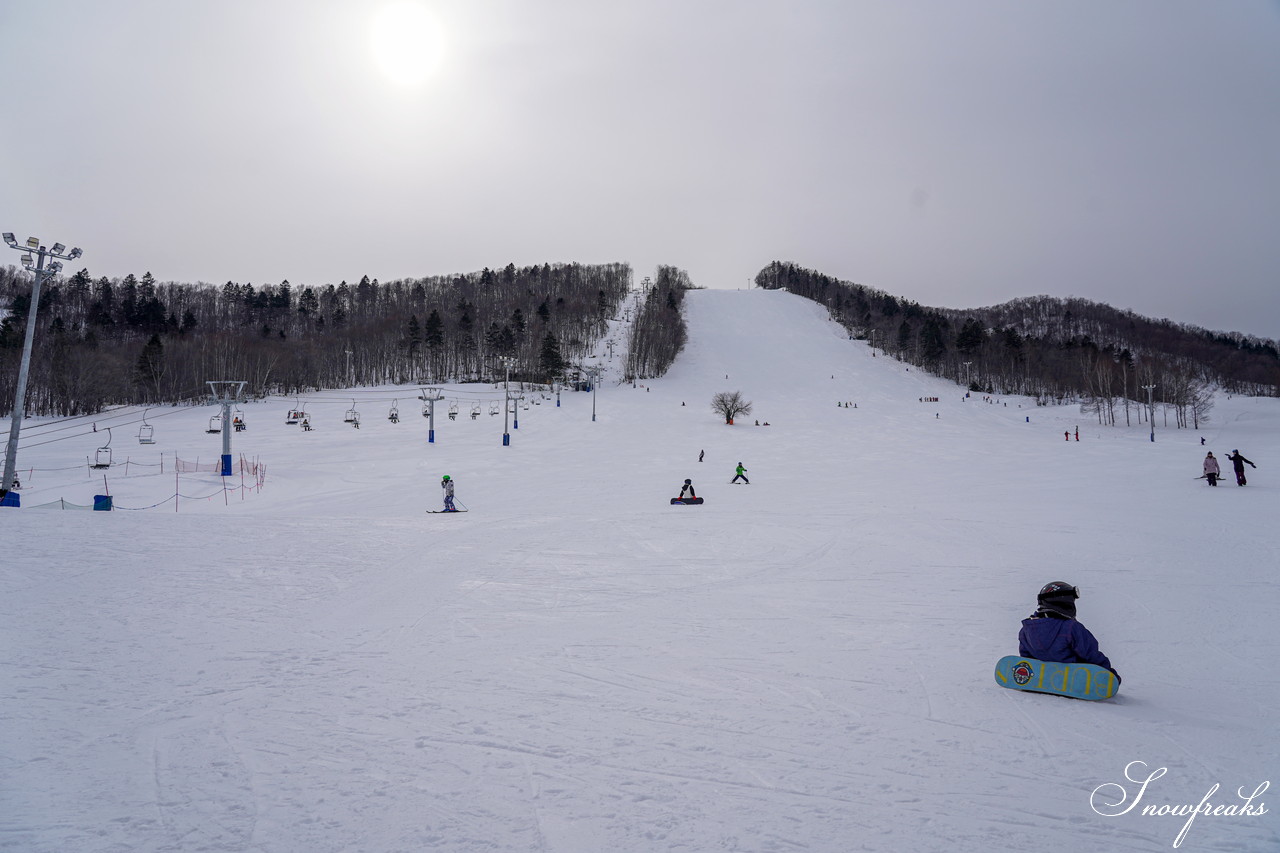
[(742, 472)]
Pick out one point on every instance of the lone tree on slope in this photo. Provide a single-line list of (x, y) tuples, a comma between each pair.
[(730, 404)]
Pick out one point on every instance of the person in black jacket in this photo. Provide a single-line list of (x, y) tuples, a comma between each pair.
[(686, 491), (1238, 462)]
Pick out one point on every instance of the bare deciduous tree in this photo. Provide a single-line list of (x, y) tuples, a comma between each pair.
[(730, 404)]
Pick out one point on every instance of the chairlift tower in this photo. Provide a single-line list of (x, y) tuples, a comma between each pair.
[(507, 361), (34, 263), (594, 373), (225, 393), (429, 396)]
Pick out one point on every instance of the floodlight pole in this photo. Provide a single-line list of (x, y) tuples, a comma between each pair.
[(36, 266), (223, 395), (1151, 409)]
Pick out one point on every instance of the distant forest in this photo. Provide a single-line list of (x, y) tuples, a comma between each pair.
[(103, 342), (659, 332), (1056, 350)]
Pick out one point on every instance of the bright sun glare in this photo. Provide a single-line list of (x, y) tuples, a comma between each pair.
[(406, 42)]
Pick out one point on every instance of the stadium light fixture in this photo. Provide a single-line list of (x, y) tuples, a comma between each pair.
[(36, 264)]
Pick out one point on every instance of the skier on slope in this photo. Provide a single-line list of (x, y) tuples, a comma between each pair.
[(742, 472), (686, 491), (1238, 462), (447, 484), (1211, 470), (1053, 634)]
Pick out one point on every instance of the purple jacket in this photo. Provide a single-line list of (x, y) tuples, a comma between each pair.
[(1049, 638)]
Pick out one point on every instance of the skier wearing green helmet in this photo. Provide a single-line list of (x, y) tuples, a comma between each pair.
[(447, 485)]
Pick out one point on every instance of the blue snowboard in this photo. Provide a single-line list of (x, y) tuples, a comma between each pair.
[(1077, 680)]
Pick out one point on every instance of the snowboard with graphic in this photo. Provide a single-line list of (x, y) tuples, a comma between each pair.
[(1077, 680), (675, 501)]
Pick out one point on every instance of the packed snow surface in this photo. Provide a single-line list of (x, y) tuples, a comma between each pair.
[(802, 663)]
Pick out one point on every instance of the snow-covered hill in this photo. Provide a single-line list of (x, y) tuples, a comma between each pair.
[(803, 663)]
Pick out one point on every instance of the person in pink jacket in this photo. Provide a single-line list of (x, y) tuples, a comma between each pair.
[(1211, 469)]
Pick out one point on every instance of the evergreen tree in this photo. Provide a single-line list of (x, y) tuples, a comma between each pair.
[(493, 338), (971, 336), (433, 336), (308, 303), (415, 335), (150, 368), (550, 359), (932, 345)]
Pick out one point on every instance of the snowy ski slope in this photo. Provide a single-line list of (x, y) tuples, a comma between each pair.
[(803, 663)]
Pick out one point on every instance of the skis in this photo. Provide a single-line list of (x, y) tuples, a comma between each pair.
[(443, 511)]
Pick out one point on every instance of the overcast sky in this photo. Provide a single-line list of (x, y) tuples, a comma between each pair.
[(958, 153)]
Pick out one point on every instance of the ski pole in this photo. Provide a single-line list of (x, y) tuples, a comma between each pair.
[(464, 506)]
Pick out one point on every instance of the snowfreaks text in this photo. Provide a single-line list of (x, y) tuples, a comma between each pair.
[(1099, 803)]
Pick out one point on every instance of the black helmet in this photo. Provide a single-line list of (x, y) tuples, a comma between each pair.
[(1059, 589), (1059, 597), (688, 482)]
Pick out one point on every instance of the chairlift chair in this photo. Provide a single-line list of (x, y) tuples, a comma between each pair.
[(215, 424), (453, 410), (352, 416), (146, 432), (237, 420), (102, 459), (394, 414), (295, 414), (493, 408)]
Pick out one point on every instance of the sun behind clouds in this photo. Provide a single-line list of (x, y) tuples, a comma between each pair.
[(406, 41)]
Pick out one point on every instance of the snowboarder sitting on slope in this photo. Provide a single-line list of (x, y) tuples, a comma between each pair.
[(1053, 634), (1238, 462), (686, 491), (742, 472), (447, 485), (1211, 470)]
